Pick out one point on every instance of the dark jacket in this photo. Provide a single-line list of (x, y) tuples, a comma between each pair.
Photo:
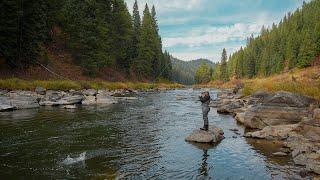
[(204, 99)]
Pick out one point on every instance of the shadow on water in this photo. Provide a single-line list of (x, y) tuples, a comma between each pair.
[(205, 147)]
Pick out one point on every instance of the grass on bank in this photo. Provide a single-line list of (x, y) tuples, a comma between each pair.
[(302, 81), (20, 84)]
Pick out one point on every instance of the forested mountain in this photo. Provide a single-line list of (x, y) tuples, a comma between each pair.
[(96, 33), (184, 71), (294, 42)]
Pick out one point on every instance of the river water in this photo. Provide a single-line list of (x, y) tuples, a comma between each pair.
[(135, 139)]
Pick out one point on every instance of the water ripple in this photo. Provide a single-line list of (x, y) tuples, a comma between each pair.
[(141, 139)]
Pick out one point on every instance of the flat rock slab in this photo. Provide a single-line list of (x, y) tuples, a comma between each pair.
[(4, 107), (213, 135)]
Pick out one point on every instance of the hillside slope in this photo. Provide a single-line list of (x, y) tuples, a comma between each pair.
[(303, 81), (184, 71)]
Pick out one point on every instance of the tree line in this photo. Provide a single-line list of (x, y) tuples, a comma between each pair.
[(293, 43), (98, 34), (186, 72)]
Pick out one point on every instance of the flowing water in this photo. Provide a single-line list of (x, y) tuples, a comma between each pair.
[(134, 139)]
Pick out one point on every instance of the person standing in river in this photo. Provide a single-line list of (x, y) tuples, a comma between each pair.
[(205, 101)]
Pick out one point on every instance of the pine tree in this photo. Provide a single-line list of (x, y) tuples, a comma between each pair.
[(121, 34), (223, 69), (136, 20), (157, 65), (143, 64)]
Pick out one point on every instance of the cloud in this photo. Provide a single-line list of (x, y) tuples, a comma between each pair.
[(186, 56), (209, 52), (212, 35)]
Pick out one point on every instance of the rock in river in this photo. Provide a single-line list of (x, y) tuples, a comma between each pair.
[(16, 101), (56, 99), (89, 100), (4, 107), (213, 135)]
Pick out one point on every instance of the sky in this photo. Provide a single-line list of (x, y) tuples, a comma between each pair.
[(193, 29)]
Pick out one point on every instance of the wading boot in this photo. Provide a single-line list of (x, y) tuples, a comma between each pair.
[(205, 128)]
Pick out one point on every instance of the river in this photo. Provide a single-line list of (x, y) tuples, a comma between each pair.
[(136, 139)]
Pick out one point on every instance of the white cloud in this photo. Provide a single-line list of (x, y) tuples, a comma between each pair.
[(212, 35), (186, 56), (213, 53)]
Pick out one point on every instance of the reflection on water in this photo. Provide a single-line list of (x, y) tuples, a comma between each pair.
[(133, 139)]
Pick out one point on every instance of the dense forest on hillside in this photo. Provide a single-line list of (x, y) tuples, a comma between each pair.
[(97, 33), (294, 42), (184, 72)]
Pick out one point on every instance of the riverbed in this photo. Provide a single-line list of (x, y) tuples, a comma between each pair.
[(140, 138)]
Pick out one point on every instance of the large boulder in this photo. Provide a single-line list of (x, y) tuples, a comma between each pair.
[(213, 135), (260, 116), (232, 107), (283, 98), (24, 102)]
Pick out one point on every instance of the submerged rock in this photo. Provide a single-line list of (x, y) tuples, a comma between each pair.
[(213, 135), (70, 107)]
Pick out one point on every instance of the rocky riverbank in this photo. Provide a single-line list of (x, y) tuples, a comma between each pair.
[(291, 118), (15, 100)]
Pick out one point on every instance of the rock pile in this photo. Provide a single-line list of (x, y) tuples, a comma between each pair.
[(292, 118), (14, 100)]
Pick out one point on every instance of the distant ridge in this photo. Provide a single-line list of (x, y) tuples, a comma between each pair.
[(184, 71)]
